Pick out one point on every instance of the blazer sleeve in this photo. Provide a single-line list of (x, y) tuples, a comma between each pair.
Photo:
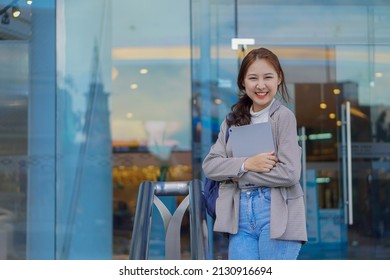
[(219, 164), (287, 171)]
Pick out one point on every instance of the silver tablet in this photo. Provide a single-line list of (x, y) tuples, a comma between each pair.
[(252, 139)]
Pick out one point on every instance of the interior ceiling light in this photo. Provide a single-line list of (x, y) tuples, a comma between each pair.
[(336, 91), (15, 12), (217, 101), (29, 2)]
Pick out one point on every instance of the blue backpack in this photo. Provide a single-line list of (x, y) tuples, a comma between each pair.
[(211, 188)]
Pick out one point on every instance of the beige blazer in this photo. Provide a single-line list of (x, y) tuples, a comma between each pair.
[(288, 216)]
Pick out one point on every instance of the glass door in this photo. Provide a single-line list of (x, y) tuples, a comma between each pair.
[(318, 110), (346, 151), (365, 150), (336, 59), (347, 155)]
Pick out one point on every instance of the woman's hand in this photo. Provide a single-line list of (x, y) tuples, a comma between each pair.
[(262, 163)]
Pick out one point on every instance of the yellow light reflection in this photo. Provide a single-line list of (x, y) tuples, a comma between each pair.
[(336, 91)]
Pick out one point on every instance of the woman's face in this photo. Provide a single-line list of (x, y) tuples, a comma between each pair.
[(261, 84)]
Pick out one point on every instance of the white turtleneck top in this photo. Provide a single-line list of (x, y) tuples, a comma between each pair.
[(261, 116)]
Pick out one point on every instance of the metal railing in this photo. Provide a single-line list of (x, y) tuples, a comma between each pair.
[(148, 195)]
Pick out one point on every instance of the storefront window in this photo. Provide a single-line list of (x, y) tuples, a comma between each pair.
[(98, 95)]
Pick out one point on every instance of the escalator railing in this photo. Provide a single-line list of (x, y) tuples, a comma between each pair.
[(148, 195)]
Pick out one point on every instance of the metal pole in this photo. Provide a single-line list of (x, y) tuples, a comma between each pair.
[(139, 244)]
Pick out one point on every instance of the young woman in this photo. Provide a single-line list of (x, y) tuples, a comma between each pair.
[(260, 202)]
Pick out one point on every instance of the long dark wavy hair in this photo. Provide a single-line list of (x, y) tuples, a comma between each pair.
[(240, 112)]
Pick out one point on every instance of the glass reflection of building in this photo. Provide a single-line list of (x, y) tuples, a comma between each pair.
[(94, 103)]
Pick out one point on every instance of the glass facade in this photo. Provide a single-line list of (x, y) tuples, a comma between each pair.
[(98, 95)]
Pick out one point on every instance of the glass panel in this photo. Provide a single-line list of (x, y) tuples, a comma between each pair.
[(15, 30), (41, 134), (328, 23), (27, 131), (84, 179), (214, 67), (381, 23), (369, 234), (333, 53), (150, 111)]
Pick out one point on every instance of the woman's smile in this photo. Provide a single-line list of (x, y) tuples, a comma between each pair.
[(261, 94)]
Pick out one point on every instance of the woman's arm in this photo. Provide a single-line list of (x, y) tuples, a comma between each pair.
[(287, 170), (217, 165)]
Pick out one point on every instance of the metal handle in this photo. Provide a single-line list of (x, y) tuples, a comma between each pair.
[(148, 195), (347, 161), (303, 146)]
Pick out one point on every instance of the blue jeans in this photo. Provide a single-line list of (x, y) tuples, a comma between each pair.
[(252, 241)]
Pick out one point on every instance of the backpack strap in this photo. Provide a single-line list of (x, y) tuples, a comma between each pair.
[(228, 117), (227, 134)]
